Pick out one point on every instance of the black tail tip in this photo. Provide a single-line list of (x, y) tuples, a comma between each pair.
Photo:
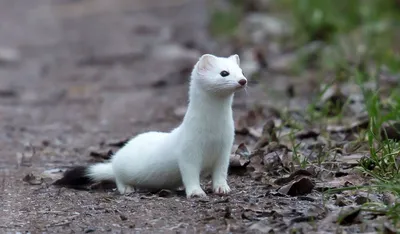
[(74, 178)]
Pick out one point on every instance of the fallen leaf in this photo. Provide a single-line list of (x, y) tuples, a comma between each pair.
[(388, 198), (165, 193), (312, 133), (254, 119), (267, 135), (352, 160), (54, 174), (272, 161), (349, 216), (239, 161), (33, 180), (299, 187), (355, 126), (256, 161), (242, 151), (261, 226), (309, 218), (357, 146), (227, 213), (102, 155), (341, 201), (8, 93), (391, 131), (360, 199), (390, 229), (332, 100), (293, 176)]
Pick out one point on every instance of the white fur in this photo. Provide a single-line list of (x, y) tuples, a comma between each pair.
[(200, 145)]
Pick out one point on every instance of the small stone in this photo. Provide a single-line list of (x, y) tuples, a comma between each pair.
[(9, 55), (175, 52), (89, 230), (361, 200), (123, 217), (165, 193), (180, 111)]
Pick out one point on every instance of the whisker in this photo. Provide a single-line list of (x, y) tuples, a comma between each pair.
[(245, 90)]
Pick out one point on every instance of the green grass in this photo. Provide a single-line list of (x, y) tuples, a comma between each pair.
[(224, 22), (353, 32), (356, 36)]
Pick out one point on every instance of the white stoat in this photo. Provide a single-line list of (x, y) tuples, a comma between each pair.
[(200, 145)]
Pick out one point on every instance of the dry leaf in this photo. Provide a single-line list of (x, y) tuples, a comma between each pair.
[(33, 180), (299, 187)]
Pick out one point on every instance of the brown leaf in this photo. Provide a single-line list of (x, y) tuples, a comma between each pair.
[(353, 127), (252, 119), (389, 229), (339, 182), (349, 216), (227, 213), (388, 199), (356, 146), (102, 155), (242, 151), (341, 200), (239, 161), (236, 161), (267, 135), (312, 133), (165, 193), (300, 187), (8, 93), (293, 176), (333, 99), (272, 161), (352, 160), (360, 199), (103, 185), (33, 180), (391, 130), (256, 161), (261, 226)]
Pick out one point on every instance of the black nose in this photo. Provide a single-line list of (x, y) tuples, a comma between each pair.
[(242, 82)]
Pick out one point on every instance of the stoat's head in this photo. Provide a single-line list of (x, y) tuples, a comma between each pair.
[(219, 75)]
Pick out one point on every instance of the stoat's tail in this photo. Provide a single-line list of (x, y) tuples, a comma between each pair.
[(81, 176)]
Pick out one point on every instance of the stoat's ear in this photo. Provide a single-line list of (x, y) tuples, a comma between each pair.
[(235, 58), (206, 61)]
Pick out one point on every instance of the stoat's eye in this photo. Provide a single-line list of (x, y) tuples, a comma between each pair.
[(224, 73)]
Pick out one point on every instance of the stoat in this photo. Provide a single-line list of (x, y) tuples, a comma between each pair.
[(200, 145)]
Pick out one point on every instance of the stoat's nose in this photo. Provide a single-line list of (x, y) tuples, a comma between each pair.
[(242, 82)]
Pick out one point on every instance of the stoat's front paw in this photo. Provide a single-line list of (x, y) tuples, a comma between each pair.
[(195, 193), (221, 189)]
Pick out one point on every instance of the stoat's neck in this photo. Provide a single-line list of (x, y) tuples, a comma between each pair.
[(206, 109)]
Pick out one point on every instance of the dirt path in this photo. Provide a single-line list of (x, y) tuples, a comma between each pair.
[(76, 73)]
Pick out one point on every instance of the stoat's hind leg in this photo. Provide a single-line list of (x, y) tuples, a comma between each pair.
[(124, 188)]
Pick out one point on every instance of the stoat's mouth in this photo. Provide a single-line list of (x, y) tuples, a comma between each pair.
[(240, 87)]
